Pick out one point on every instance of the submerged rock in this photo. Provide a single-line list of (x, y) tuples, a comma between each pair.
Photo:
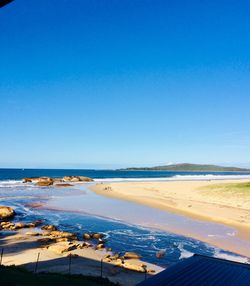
[(63, 185), (6, 212), (160, 254), (44, 184), (34, 205)]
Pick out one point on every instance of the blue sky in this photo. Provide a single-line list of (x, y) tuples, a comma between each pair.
[(104, 84)]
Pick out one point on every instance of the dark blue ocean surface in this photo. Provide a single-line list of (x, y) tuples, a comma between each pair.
[(18, 174)]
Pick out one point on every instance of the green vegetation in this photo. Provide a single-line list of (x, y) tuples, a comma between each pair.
[(12, 275), (241, 189), (190, 168)]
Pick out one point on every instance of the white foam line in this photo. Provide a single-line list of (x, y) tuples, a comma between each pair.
[(10, 182), (177, 178)]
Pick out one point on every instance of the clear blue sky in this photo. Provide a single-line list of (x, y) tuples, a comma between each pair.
[(124, 83)]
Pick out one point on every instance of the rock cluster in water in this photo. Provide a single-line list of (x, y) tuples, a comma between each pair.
[(47, 181), (62, 242)]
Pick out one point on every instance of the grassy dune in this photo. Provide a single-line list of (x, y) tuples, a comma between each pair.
[(239, 189)]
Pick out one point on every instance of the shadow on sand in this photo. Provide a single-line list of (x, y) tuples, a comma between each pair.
[(45, 261)]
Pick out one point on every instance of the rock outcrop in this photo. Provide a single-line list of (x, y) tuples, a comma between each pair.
[(32, 233), (85, 179), (6, 212), (97, 235), (44, 181), (62, 247), (87, 236), (77, 179), (49, 227), (47, 181), (19, 225), (27, 180), (131, 255), (62, 234), (134, 267)]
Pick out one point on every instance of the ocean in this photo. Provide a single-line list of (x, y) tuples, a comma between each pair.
[(127, 226), (19, 174)]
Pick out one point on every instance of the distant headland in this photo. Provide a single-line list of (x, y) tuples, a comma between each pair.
[(189, 168)]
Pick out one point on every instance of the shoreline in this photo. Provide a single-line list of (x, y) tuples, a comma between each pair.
[(185, 198), (23, 249)]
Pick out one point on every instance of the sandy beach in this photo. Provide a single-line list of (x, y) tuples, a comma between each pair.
[(222, 201)]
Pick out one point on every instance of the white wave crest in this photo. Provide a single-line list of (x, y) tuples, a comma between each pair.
[(10, 183), (211, 177), (184, 253), (177, 178)]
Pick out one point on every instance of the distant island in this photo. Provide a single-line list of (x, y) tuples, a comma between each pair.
[(189, 168)]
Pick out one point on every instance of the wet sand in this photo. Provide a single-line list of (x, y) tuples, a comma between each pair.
[(192, 199)]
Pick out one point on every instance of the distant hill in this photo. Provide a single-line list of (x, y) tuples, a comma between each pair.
[(189, 168)]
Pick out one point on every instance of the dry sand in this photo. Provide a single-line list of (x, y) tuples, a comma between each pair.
[(195, 199)]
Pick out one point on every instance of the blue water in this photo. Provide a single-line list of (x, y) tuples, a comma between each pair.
[(121, 235), (18, 174)]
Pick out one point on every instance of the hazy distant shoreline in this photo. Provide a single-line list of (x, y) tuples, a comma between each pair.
[(187, 167)]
